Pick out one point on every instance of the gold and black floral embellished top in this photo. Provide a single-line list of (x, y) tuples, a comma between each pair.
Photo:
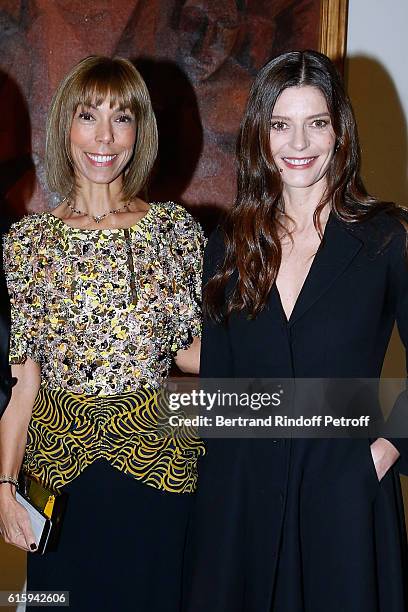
[(103, 311)]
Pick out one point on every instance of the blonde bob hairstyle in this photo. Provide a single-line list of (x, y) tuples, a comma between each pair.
[(90, 82)]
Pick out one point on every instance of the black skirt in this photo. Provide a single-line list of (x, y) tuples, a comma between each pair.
[(121, 545)]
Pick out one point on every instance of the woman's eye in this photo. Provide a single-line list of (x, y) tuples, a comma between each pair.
[(279, 125), (320, 123), (124, 118), (85, 116)]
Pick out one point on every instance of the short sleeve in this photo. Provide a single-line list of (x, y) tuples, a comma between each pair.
[(24, 276), (187, 248)]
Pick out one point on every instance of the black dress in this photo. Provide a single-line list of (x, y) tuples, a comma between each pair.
[(304, 525), (120, 540)]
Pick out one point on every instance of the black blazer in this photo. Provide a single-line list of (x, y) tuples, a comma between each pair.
[(341, 324), (254, 494)]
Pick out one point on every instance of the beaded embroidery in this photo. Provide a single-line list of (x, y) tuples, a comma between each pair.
[(103, 311)]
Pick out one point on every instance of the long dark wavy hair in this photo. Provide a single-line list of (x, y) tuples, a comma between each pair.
[(252, 245)]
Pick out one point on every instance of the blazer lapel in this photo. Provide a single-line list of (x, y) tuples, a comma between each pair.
[(336, 252)]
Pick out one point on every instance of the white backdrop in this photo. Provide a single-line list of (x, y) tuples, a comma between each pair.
[(377, 72)]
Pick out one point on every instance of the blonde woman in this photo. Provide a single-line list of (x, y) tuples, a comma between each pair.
[(104, 294)]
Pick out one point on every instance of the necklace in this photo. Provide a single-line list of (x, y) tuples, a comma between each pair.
[(97, 218)]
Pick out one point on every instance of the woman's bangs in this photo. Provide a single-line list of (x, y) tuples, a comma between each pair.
[(96, 90)]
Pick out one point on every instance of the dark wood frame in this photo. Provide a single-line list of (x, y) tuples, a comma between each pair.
[(333, 29)]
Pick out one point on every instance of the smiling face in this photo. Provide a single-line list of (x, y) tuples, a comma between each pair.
[(102, 142), (302, 138)]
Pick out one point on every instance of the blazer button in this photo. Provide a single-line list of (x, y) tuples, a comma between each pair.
[(278, 442)]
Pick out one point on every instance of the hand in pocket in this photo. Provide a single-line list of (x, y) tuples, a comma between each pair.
[(384, 455)]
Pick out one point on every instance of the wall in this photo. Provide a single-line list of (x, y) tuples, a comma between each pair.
[(377, 77)]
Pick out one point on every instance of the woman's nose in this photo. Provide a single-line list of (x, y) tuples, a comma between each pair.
[(104, 132), (300, 139)]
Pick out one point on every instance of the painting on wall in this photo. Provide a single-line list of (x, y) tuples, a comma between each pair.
[(198, 58)]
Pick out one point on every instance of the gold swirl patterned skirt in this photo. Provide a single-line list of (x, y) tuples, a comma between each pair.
[(128, 477)]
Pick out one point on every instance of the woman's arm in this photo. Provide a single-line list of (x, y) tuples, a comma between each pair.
[(386, 451), (188, 360), (215, 349), (187, 244), (14, 520)]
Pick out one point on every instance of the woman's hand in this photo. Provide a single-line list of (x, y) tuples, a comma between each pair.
[(15, 524), (384, 456)]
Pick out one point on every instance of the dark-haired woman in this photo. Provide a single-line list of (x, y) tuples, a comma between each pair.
[(304, 279), (104, 295)]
